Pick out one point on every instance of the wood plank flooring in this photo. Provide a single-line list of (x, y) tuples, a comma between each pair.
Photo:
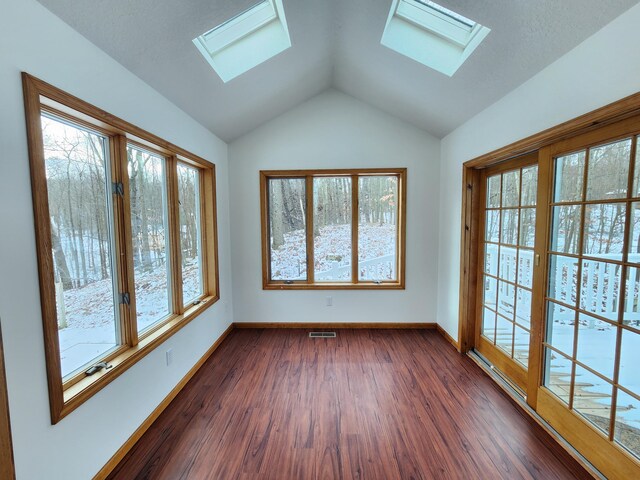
[(369, 404)]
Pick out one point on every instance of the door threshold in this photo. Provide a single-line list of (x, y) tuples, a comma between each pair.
[(517, 395)]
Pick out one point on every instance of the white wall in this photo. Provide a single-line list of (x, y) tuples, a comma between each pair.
[(604, 68), (333, 130), (34, 40)]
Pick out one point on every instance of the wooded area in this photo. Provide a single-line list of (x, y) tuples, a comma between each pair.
[(332, 224)]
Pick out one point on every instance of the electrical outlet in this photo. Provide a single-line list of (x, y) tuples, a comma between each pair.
[(169, 356), (329, 301)]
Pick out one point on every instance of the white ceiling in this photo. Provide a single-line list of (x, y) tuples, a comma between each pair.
[(336, 43)]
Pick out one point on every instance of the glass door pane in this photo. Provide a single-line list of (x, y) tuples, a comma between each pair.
[(510, 216), (592, 336)]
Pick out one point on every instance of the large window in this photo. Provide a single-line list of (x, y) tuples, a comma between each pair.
[(333, 228), (125, 230)]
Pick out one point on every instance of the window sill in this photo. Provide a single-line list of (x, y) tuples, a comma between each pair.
[(81, 391), (335, 286)]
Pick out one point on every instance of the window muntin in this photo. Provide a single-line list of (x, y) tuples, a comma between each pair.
[(99, 177), (78, 178), (190, 233), (325, 238), (150, 236)]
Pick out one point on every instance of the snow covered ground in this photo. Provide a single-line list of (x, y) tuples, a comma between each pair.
[(90, 318), (333, 248), (596, 349)]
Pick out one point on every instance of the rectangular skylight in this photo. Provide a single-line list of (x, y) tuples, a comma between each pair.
[(246, 40), (432, 34)]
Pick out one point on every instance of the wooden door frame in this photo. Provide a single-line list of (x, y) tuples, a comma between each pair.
[(516, 373), (582, 436), (619, 110), (7, 468)]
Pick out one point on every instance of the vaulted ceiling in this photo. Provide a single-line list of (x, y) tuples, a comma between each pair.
[(335, 43)]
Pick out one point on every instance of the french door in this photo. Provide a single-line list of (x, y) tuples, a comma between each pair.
[(508, 221), (558, 287)]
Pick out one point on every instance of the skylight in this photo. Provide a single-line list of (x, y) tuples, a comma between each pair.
[(432, 34), (246, 40)]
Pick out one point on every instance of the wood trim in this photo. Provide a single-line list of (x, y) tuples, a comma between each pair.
[(621, 109), (65, 102), (131, 441), (7, 467), (39, 96), (606, 456), (468, 258), (42, 224), (448, 337), (325, 325), (308, 190), (355, 220), (308, 176), (539, 279), (516, 373), (174, 235)]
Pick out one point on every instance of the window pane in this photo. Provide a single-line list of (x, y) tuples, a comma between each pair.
[(608, 171), (560, 328), (521, 346), (511, 189), (491, 259), (287, 220), (506, 299), (493, 191), (492, 229), (597, 344), (509, 230), (627, 429), (565, 229), (332, 229), (489, 324), (79, 193), (529, 185), (527, 227), (504, 335), (563, 279), (600, 288), (632, 299), (190, 233), (569, 178), (525, 268), (557, 374), (604, 230), (377, 228), (523, 307), (508, 263), (634, 233), (629, 376), (490, 292), (592, 398), (149, 233)]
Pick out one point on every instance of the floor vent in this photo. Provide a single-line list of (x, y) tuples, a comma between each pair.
[(322, 334)]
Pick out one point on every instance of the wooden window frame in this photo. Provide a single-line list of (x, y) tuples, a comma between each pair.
[(309, 283), (609, 122), (39, 96)]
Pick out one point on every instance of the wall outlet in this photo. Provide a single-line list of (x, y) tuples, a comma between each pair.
[(329, 301), (169, 356)]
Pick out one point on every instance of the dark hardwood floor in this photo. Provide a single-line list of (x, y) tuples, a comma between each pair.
[(369, 404)]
